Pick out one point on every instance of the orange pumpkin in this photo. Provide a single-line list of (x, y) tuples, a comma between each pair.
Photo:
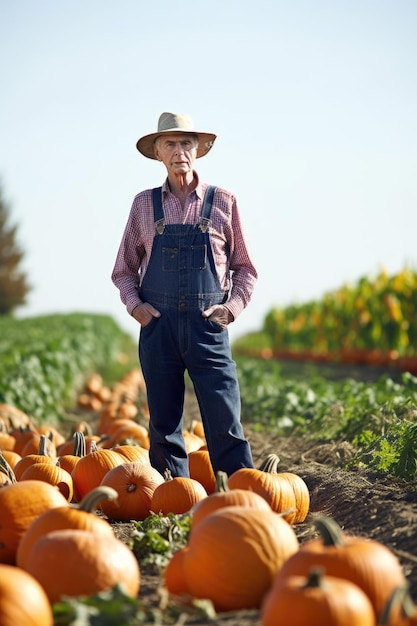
[(134, 483), (192, 441), (69, 460), (132, 452), (91, 469), (365, 562), (20, 504), (52, 433), (11, 457), (81, 516), (223, 497), (232, 557), (200, 468), (71, 563), (198, 429), (52, 474), (6, 471), (23, 600), (23, 437), (176, 495), (7, 442), (316, 600), (285, 492), (40, 456), (278, 494), (128, 430), (33, 444)]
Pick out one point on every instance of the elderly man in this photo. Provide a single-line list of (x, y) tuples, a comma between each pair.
[(184, 272)]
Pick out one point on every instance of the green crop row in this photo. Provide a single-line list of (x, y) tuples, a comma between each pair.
[(44, 360), (378, 420)]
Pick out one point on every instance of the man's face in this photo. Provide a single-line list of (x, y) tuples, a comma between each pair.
[(177, 151)]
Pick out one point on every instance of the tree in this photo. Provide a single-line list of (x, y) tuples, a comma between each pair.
[(13, 281)]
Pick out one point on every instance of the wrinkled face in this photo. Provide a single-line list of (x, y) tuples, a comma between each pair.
[(177, 151)]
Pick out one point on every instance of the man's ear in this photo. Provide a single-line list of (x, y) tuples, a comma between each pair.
[(156, 153)]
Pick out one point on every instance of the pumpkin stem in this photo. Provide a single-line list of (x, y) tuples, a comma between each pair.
[(221, 482), (167, 475), (6, 469), (79, 444), (330, 531), (315, 578), (92, 498), (401, 595), (93, 446), (270, 464), (44, 446)]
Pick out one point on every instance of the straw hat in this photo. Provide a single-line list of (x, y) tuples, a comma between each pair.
[(169, 123)]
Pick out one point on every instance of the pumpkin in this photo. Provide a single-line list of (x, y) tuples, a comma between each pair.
[(20, 504), (132, 452), (400, 609), (232, 557), (192, 441), (7, 442), (70, 563), (285, 492), (41, 456), (11, 457), (23, 600), (365, 562), (6, 471), (52, 474), (198, 429), (200, 469), (222, 497), (113, 412), (81, 516), (278, 494), (128, 430), (23, 436), (72, 446), (316, 600), (52, 433), (134, 483), (33, 444), (69, 461), (91, 469), (176, 495)]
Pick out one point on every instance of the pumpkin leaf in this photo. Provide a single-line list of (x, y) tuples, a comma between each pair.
[(109, 608), (156, 538)]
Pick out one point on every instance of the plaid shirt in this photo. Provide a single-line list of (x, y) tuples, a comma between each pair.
[(235, 269)]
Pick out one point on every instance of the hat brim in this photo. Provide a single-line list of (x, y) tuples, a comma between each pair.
[(205, 141)]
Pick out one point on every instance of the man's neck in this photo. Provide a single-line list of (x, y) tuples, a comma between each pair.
[(181, 186)]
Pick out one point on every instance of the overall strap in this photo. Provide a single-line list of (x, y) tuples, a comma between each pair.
[(206, 208), (158, 211)]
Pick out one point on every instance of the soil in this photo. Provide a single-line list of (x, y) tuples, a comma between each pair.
[(362, 503)]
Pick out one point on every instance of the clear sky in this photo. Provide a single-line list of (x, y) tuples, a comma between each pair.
[(315, 108)]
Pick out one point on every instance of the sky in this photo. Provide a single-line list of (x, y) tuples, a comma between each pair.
[(315, 109)]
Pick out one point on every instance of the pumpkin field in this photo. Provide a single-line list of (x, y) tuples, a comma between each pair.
[(322, 531)]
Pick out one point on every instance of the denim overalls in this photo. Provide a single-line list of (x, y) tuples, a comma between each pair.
[(181, 281)]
